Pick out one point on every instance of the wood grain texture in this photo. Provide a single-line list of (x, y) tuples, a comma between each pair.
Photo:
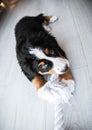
[(20, 106)]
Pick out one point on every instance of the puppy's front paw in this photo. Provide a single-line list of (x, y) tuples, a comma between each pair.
[(53, 19)]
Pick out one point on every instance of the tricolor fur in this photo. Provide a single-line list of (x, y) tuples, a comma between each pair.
[(38, 52)]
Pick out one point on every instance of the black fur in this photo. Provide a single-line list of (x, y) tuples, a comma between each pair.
[(30, 33)]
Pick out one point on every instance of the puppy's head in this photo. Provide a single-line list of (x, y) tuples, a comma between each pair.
[(49, 61)]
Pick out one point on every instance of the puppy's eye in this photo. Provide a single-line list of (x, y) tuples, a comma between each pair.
[(43, 65), (49, 52), (52, 52)]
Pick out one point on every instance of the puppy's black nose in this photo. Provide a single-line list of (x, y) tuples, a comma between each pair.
[(66, 68)]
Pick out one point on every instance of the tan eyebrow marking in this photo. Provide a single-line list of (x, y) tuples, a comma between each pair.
[(41, 63), (47, 51)]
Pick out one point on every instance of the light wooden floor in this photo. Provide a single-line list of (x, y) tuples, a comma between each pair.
[(20, 107)]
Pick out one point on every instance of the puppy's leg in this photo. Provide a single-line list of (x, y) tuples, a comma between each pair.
[(38, 82), (47, 21), (51, 19)]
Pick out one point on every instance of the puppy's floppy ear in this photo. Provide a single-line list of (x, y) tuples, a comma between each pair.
[(26, 66), (62, 53), (40, 18)]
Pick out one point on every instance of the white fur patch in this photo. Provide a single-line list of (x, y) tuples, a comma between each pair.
[(47, 27), (55, 91), (53, 19), (69, 84), (58, 62)]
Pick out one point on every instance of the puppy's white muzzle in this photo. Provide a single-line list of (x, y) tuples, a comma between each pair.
[(60, 65)]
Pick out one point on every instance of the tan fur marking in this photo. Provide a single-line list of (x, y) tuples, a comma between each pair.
[(45, 23), (47, 51), (47, 19), (42, 63), (66, 76), (38, 82)]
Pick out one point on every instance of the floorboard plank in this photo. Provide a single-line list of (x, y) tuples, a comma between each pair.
[(20, 106)]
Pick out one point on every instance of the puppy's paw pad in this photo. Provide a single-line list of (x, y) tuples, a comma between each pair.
[(53, 19)]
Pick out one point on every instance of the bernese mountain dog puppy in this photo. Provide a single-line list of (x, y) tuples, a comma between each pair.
[(38, 52)]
